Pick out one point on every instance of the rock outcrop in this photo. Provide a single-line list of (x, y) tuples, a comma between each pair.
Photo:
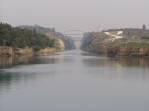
[(6, 51), (45, 52), (24, 51)]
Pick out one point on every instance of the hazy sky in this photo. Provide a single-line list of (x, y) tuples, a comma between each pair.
[(86, 15)]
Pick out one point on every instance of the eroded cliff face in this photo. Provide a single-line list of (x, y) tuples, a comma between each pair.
[(45, 52), (23, 51), (10, 52), (61, 44), (6, 51), (117, 43)]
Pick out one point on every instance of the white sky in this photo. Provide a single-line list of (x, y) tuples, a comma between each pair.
[(86, 15)]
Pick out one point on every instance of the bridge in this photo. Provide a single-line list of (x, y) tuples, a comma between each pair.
[(77, 35), (73, 33)]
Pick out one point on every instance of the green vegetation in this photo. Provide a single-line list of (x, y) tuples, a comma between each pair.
[(21, 38), (133, 42), (50, 32)]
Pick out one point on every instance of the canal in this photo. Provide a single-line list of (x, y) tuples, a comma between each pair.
[(76, 81)]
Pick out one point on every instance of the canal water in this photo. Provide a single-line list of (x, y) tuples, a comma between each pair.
[(75, 81)]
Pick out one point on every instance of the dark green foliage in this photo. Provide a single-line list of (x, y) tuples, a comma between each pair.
[(68, 41), (37, 29), (20, 38)]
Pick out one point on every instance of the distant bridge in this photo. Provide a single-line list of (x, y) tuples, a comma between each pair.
[(74, 33)]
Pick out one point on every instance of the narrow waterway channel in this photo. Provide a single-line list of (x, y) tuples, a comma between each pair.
[(76, 81)]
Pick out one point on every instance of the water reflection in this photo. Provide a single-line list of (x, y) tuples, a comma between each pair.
[(10, 79), (134, 62), (116, 62), (37, 67), (77, 79), (56, 59), (6, 62), (117, 68)]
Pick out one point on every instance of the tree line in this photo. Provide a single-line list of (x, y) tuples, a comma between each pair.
[(20, 38)]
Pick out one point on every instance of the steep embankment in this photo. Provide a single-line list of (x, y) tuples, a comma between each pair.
[(118, 42), (61, 42), (32, 40), (7, 51), (22, 41)]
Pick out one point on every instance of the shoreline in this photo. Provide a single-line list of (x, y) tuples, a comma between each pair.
[(121, 52), (10, 52)]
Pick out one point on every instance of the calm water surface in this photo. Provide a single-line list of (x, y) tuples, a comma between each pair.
[(76, 81)]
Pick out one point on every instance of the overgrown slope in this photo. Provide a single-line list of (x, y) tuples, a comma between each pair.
[(118, 42)]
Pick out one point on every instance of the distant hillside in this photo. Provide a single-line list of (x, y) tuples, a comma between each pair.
[(37, 28), (51, 33), (118, 42), (68, 41)]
